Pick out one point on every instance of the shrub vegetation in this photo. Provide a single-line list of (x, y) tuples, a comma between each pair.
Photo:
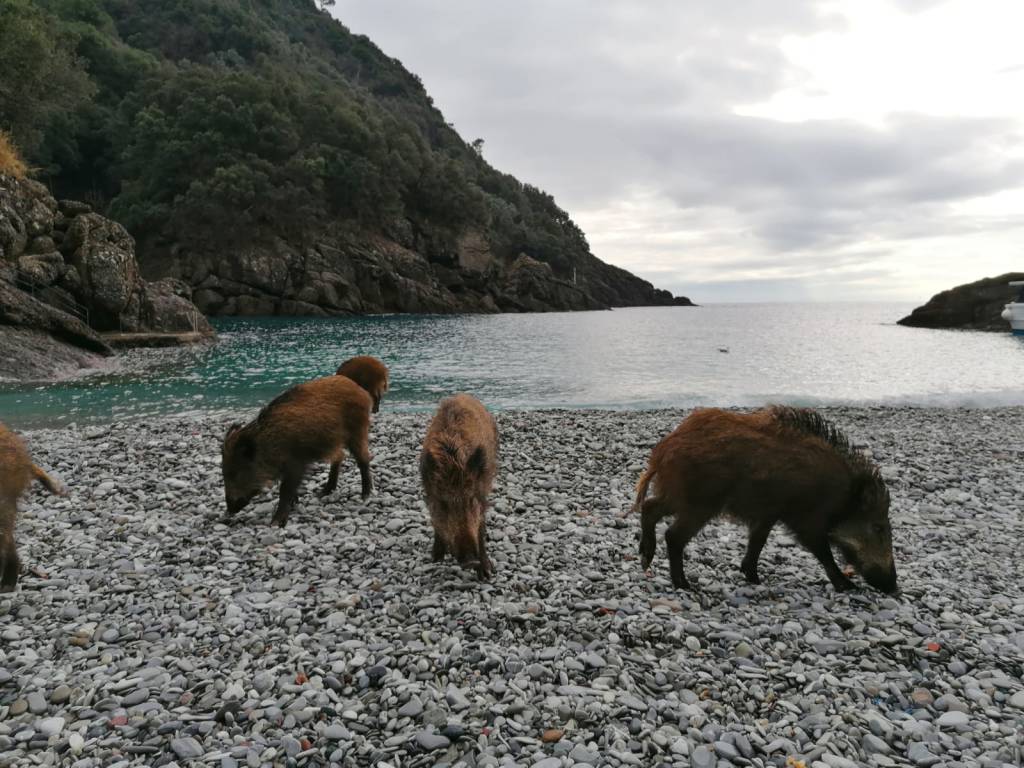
[(242, 118)]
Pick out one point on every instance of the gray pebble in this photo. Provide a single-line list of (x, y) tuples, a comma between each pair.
[(429, 741), (187, 748), (953, 719)]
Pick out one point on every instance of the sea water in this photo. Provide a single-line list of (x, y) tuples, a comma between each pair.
[(726, 354)]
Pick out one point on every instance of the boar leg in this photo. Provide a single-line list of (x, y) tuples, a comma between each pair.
[(289, 494), (650, 513), (437, 553), (821, 550), (687, 524), (755, 543), (484, 569), (9, 564), (361, 453), (332, 479)]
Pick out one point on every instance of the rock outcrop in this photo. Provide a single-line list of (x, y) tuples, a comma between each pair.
[(975, 306), (67, 273), (347, 272)]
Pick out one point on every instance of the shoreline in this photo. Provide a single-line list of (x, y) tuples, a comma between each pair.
[(416, 409), (158, 627)]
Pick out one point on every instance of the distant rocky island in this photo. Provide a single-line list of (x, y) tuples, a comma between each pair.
[(275, 163), (975, 306)]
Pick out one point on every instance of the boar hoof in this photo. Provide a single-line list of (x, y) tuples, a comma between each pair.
[(682, 583), (844, 586), (326, 490), (485, 570), (646, 556), (751, 575)]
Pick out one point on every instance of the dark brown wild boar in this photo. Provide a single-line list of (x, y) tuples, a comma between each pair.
[(457, 466), (778, 465), (311, 422), (369, 373), (17, 472)]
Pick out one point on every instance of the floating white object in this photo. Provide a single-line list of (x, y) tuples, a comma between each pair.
[(1014, 311)]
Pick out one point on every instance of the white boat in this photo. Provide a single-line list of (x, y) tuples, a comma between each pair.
[(1014, 311)]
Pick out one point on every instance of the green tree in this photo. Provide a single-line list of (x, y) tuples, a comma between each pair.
[(42, 79)]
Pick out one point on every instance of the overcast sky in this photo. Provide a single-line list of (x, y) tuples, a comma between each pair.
[(746, 149)]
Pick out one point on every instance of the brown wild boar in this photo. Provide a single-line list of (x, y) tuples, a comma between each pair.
[(369, 373), (17, 472), (457, 466), (311, 422), (778, 465)]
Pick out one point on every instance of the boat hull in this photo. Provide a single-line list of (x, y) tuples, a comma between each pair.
[(1014, 315)]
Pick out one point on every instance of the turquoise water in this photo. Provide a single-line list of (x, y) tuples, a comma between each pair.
[(809, 354)]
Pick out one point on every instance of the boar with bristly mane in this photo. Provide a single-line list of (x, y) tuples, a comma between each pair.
[(17, 473), (311, 422), (778, 465), (457, 466), (369, 373)]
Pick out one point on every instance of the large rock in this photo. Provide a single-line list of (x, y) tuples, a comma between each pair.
[(975, 306), (167, 307), (26, 212), (42, 269), (103, 253)]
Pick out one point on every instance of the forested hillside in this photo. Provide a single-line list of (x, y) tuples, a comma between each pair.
[(279, 163)]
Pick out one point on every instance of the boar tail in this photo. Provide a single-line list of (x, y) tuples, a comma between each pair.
[(45, 479), (641, 489)]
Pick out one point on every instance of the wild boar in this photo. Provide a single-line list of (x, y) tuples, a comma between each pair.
[(17, 472), (369, 373), (778, 465), (457, 465), (311, 422)]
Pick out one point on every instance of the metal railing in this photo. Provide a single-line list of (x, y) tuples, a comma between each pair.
[(34, 288)]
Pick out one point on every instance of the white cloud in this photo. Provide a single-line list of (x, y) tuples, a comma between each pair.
[(746, 149)]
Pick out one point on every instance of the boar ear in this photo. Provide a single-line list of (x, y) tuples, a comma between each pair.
[(867, 489), (246, 446), (476, 461), (232, 429)]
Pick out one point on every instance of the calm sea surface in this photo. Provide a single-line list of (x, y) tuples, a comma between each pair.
[(807, 354)]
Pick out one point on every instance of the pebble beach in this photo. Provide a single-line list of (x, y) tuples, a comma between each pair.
[(146, 631)]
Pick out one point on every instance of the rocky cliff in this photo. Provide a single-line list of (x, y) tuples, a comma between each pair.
[(277, 162), (66, 276), (353, 272), (975, 306)]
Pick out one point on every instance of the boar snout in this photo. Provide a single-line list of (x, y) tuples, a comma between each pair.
[(469, 554), (238, 503), (881, 578)]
